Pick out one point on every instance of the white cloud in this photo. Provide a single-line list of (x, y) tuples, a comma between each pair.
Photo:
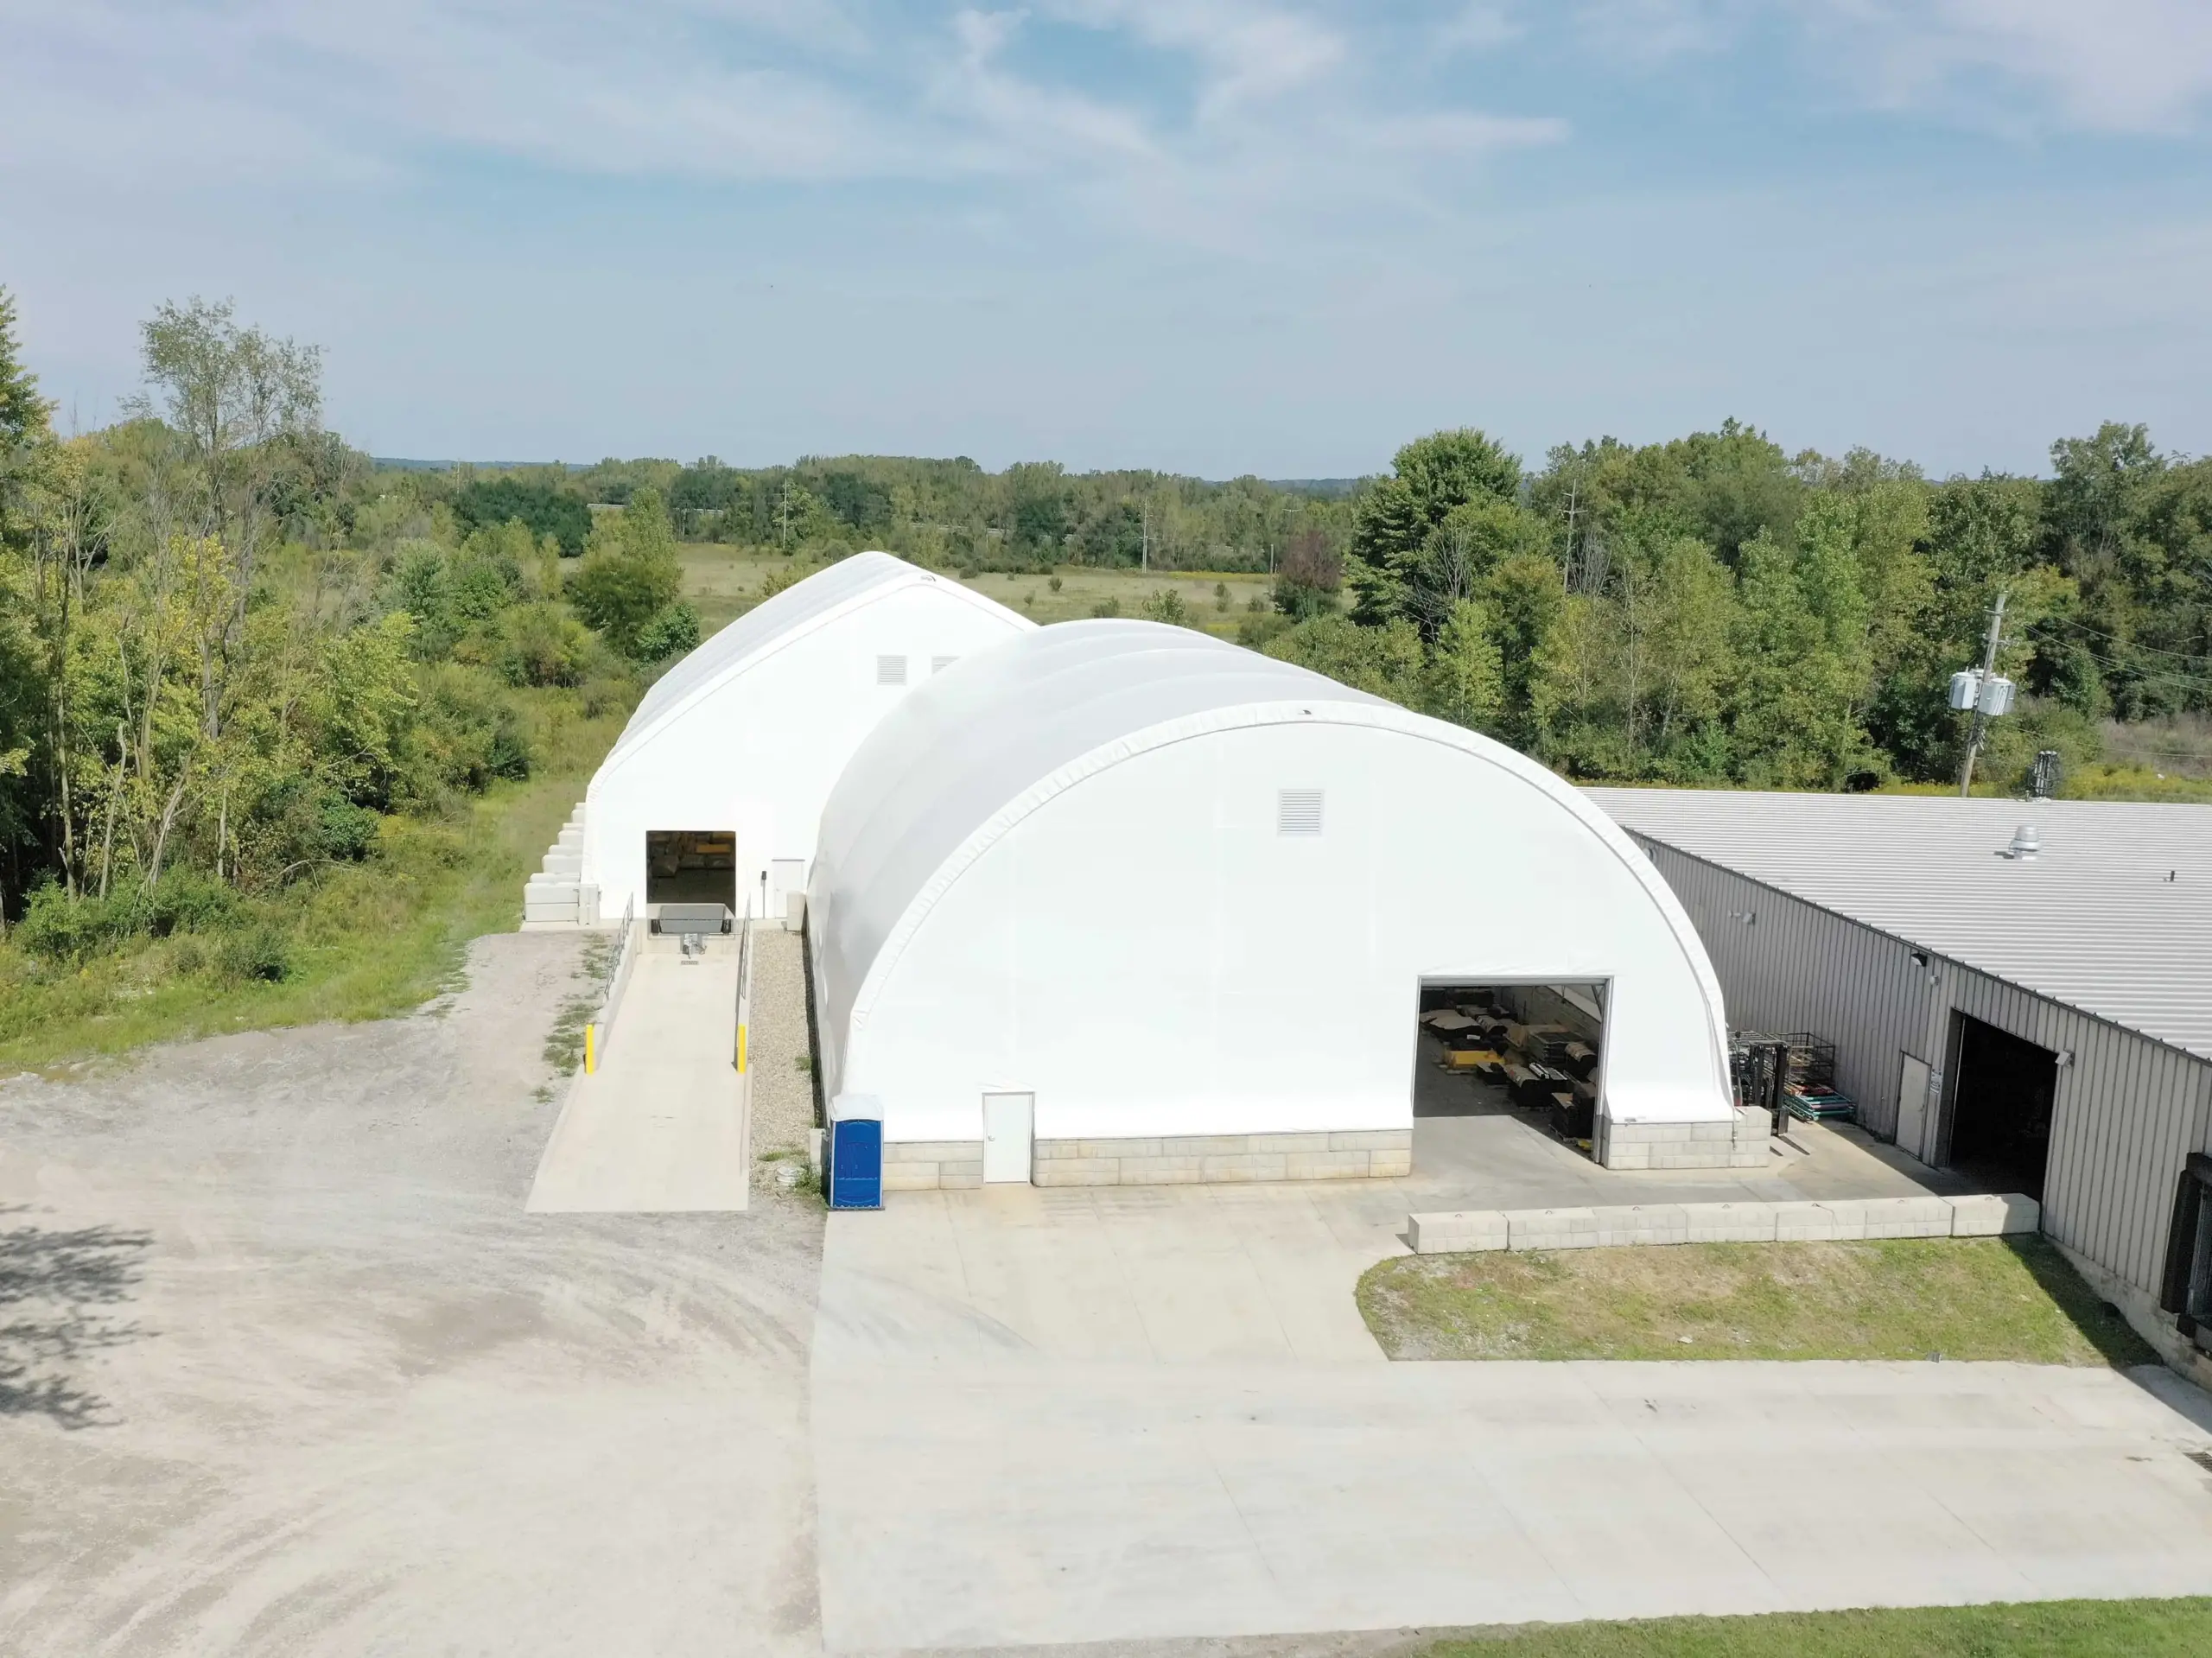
[(1478, 27), (2114, 66)]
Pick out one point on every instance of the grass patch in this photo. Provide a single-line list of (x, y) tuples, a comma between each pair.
[(358, 941), (722, 582), (564, 1043), (1887, 1298), (2056, 1629)]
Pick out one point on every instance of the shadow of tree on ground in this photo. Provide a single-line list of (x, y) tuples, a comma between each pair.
[(53, 1284)]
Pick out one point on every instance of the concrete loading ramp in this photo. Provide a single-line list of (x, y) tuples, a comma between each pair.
[(659, 1127)]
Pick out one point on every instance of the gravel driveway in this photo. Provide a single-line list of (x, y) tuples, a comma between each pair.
[(285, 1368)]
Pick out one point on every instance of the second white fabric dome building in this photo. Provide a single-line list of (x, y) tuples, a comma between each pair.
[(1180, 901)]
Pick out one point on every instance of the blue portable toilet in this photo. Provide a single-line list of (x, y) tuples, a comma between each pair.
[(856, 1152)]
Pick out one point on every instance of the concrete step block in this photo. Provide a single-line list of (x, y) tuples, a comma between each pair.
[(1730, 1222), (548, 888), (564, 913), (1551, 1228), (1908, 1217), (1458, 1231), (1643, 1224), (1992, 1214), (566, 865), (571, 836)]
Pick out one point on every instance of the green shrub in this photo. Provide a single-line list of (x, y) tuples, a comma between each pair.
[(673, 632), (541, 645), (260, 952), (57, 928)]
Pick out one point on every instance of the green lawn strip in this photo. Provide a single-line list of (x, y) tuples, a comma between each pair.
[(364, 941), (1891, 1299), (2056, 1629)]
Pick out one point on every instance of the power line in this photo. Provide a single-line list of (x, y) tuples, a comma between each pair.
[(2132, 645)]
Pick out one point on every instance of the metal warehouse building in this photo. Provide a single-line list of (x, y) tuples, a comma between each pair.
[(2021, 990)]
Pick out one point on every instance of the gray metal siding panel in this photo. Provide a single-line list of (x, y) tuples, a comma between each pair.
[(2125, 1114)]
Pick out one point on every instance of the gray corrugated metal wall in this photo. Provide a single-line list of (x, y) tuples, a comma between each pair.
[(2128, 1110)]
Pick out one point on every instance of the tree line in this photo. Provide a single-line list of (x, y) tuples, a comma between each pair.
[(234, 650), (1712, 610), (233, 657)]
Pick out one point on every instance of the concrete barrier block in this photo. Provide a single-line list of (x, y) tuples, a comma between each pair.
[(1805, 1222), (1463, 1231), (1642, 1224), (1551, 1228), (1993, 1214), (1390, 1166), (1326, 1166), (1908, 1217), (1119, 1149), (1730, 1222), (1369, 1139), (1754, 1123), (1724, 1130)]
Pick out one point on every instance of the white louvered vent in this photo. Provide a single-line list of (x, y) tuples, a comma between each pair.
[(1298, 811), (938, 664), (890, 670)]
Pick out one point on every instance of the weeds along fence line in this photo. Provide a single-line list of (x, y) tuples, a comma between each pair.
[(602, 1022)]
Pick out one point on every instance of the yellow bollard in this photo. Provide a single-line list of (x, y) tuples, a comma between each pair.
[(591, 1049), (740, 1050)]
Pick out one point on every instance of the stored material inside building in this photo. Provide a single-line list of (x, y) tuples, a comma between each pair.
[(1533, 1050), (691, 867)]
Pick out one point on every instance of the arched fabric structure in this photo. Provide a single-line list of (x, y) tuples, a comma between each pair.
[(1062, 869), (747, 734)]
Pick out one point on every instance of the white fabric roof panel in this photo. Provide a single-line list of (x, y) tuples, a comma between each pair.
[(939, 768), (2113, 917), (1100, 803), (788, 613)]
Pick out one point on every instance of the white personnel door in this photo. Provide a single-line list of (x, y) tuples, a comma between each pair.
[(1912, 1105), (1010, 1127), (786, 879)]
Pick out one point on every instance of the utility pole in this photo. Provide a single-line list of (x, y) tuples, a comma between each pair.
[(1981, 719)]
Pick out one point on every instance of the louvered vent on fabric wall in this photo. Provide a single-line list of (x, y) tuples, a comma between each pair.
[(890, 670), (1298, 811)]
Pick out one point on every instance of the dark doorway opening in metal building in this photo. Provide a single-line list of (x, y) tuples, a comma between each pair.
[(2001, 1105)]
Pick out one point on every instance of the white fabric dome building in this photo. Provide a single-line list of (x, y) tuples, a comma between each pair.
[(1119, 902), (715, 790)]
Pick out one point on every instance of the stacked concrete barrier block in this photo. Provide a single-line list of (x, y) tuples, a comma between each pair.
[(554, 896), (1551, 1228), (1730, 1222), (1989, 1215), (1224, 1160), (1812, 1222), (1907, 1217), (1644, 1224), (1464, 1231), (928, 1165)]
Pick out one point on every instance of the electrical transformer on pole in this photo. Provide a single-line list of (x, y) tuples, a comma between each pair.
[(1984, 690)]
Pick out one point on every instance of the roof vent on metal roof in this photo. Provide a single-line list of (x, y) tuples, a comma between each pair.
[(2024, 845)]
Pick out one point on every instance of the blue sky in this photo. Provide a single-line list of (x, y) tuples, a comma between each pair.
[(1213, 236)]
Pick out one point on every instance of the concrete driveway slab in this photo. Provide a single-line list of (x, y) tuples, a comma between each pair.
[(1042, 1417)]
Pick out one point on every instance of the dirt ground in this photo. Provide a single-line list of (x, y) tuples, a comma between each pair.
[(285, 1368)]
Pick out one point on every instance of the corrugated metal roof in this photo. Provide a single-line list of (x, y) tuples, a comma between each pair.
[(2114, 917)]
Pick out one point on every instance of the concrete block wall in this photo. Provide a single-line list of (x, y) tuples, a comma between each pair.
[(1738, 1141), (1466, 1231), (1165, 1160), (1209, 1160), (931, 1165)]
